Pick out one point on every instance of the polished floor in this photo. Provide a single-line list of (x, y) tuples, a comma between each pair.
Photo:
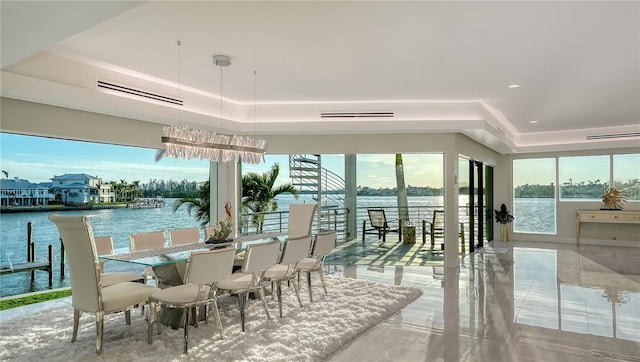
[(507, 302)]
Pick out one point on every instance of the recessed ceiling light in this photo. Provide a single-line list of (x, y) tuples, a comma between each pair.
[(533, 122), (513, 86)]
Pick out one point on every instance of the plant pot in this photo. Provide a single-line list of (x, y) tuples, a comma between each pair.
[(505, 232)]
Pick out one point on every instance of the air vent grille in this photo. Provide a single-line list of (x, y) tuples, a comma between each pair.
[(355, 114), (117, 88), (613, 135)]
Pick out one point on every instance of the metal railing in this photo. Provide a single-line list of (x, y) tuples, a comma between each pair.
[(335, 218), (326, 219)]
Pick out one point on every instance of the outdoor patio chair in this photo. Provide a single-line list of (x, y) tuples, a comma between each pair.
[(380, 225), (436, 227), (87, 293)]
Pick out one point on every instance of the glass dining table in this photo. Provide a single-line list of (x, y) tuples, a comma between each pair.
[(169, 264)]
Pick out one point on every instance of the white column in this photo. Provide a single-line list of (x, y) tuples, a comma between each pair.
[(451, 241), (225, 186)]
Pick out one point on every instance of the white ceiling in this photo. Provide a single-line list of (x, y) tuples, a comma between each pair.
[(439, 66)]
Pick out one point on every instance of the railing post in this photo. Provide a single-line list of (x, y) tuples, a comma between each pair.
[(50, 268), (61, 259), (33, 259), (29, 241)]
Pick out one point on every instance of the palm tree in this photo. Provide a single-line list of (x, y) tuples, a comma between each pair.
[(259, 193), (403, 203), (197, 205)]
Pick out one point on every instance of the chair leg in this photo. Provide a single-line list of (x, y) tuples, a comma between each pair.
[(324, 286), (187, 312), (99, 331), (216, 315), (279, 291), (241, 301), (264, 302), (296, 287), (76, 321), (127, 317), (309, 286), (150, 318), (272, 294), (158, 313)]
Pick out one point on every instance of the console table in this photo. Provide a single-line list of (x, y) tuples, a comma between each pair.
[(605, 216)]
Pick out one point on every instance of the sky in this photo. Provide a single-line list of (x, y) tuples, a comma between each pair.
[(38, 159)]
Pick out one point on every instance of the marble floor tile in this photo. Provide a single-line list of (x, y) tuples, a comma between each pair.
[(510, 302)]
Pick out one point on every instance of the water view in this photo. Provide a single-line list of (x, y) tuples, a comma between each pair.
[(120, 223)]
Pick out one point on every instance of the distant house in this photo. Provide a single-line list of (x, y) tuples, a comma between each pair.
[(19, 192), (81, 189)]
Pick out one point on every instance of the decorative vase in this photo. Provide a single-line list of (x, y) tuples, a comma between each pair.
[(505, 232)]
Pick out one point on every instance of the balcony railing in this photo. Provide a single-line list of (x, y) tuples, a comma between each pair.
[(335, 218)]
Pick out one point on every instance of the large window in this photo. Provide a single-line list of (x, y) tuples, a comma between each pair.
[(583, 178), (534, 206), (626, 175)]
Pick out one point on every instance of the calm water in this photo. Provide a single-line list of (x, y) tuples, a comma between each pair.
[(119, 223)]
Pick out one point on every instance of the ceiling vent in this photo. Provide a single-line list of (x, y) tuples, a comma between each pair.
[(613, 136), (356, 114), (129, 92)]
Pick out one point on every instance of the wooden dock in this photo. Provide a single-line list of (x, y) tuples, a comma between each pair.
[(31, 265)]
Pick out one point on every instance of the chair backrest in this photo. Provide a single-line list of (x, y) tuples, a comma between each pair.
[(295, 249), (438, 222), (301, 219), (207, 267), (147, 241), (377, 218), (184, 236), (260, 257), (104, 245), (324, 244), (77, 237)]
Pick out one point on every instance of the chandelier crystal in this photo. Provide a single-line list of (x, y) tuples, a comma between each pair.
[(190, 143)]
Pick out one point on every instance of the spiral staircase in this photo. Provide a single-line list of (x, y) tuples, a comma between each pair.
[(327, 188)]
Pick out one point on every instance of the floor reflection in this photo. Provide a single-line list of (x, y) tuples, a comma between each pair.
[(512, 302)]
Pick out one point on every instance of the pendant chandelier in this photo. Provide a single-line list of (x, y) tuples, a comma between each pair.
[(190, 143)]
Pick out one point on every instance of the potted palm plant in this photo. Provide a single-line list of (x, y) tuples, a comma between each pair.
[(504, 218)]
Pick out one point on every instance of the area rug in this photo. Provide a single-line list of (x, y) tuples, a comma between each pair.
[(314, 332)]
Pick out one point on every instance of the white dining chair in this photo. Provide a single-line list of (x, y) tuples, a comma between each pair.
[(147, 241), (104, 246), (87, 293), (257, 259), (300, 219), (204, 270), (294, 251), (323, 245), (184, 236)]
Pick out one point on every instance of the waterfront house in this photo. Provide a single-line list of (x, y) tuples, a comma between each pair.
[(505, 92), (19, 192), (80, 189)]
